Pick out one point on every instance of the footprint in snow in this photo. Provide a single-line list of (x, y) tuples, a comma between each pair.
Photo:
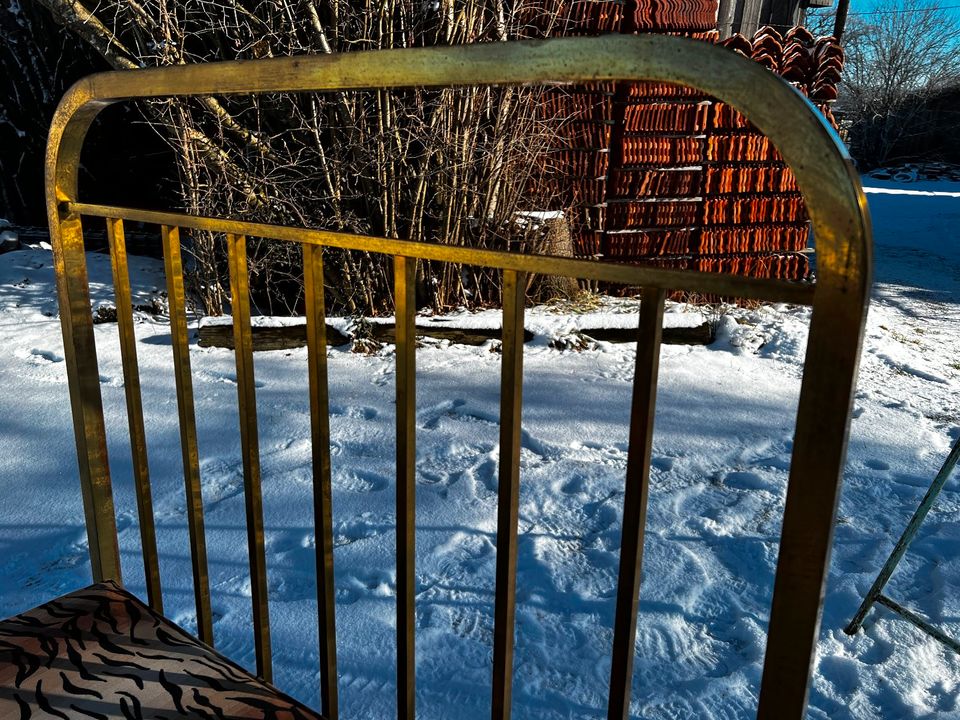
[(66, 557), (944, 696), (455, 462), (433, 415), (586, 450), (459, 623), (743, 480), (684, 646), (359, 481), (452, 410), (875, 464), (382, 376), (345, 596), (367, 525), (664, 463), (602, 514), (841, 672), (354, 411), (71, 553), (377, 583), (461, 556), (286, 541), (219, 481), (574, 486), (484, 476), (881, 650)]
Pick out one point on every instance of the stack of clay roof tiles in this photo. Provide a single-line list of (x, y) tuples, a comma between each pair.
[(660, 174), (751, 200)]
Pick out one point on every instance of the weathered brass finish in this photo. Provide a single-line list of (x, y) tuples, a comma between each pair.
[(838, 212), (250, 447), (131, 388), (635, 497), (711, 283), (404, 293), (508, 490), (322, 490), (80, 352), (176, 300)]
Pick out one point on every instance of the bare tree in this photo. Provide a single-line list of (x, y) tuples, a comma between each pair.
[(449, 165), (897, 54), (39, 60)]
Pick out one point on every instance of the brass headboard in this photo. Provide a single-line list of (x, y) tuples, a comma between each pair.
[(839, 297)]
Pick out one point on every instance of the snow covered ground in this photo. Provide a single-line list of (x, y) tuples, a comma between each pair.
[(722, 449)]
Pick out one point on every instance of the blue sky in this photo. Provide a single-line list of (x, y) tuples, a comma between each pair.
[(869, 9)]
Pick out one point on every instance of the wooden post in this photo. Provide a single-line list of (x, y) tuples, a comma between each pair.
[(725, 15), (840, 22), (749, 21)]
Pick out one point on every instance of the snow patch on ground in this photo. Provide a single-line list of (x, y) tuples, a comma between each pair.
[(722, 447)]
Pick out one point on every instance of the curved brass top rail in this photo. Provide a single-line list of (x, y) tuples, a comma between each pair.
[(835, 203), (809, 146)]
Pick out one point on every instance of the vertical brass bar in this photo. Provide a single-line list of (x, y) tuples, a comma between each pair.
[(813, 491), (83, 374), (131, 386), (405, 300), (322, 493), (250, 447), (176, 299), (635, 501), (508, 492)]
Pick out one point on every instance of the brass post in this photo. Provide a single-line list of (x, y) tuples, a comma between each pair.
[(131, 388), (404, 287), (322, 491), (508, 491), (176, 299), (250, 447), (635, 496)]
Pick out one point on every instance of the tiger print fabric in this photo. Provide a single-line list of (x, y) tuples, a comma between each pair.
[(101, 653)]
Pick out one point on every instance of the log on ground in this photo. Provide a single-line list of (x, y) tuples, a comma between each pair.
[(283, 337), (286, 337)]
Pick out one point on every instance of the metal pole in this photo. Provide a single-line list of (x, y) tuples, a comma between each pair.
[(904, 543), (915, 619)]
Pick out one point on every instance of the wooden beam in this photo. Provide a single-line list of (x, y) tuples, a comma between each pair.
[(781, 14), (725, 17), (749, 21), (840, 23)]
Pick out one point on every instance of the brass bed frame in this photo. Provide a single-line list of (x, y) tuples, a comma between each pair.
[(838, 298)]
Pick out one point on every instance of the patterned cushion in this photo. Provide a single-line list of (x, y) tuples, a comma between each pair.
[(101, 653)]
